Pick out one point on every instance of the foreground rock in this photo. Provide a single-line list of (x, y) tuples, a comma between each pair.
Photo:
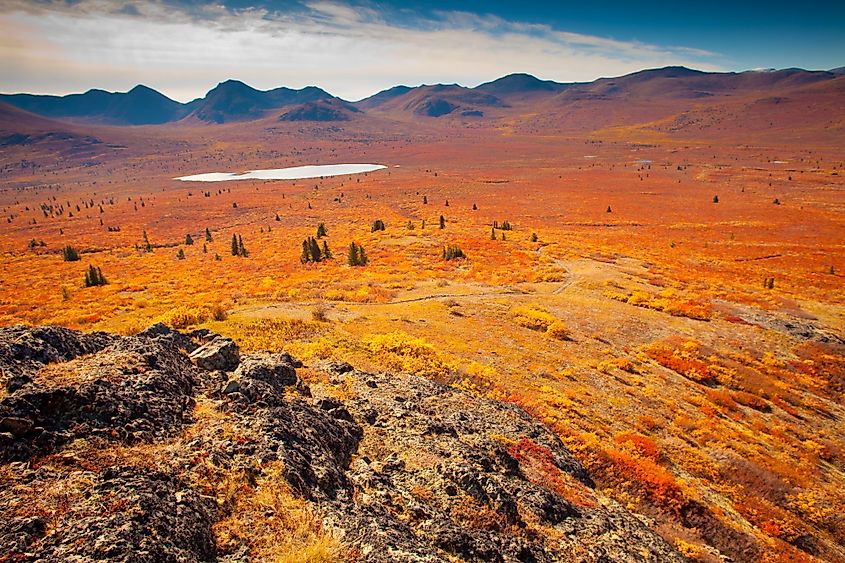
[(111, 446)]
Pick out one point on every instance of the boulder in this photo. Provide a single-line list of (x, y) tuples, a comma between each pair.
[(220, 354)]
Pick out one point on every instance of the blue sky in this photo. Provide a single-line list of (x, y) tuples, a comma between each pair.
[(353, 49)]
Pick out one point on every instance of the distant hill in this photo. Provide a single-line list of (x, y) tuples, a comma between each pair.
[(233, 100), (321, 110), (435, 101), (520, 85), (385, 95), (139, 106)]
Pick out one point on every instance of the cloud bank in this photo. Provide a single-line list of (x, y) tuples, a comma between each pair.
[(183, 50)]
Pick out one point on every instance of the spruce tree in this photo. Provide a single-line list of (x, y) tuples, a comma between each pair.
[(314, 249), (327, 254), (321, 230), (352, 255), (305, 256), (148, 247), (442, 222), (180, 255), (94, 276), (235, 248), (453, 252), (189, 240), (241, 250), (69, 254), (207, 235)]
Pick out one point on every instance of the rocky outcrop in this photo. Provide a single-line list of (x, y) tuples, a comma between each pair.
[(401, 468)]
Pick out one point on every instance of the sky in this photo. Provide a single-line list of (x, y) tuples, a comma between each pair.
[(354, 49)]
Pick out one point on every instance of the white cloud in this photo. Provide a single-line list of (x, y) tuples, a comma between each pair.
[(351, 52)]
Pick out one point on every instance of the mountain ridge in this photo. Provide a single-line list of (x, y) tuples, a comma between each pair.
[(233, 100)]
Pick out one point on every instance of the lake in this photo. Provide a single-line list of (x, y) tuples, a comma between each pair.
[(292, 173)]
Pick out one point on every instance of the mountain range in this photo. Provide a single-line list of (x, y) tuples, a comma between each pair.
[(234, 101)]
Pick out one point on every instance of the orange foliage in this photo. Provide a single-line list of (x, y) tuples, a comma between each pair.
[(538, 464)]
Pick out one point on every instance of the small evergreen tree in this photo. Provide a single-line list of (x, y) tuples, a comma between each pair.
[(241, 250), (314, 249), (204, 249), (474, 207), (305, 256), (207, 235), (492, 233), (352, 255), (327, 254), (148, 247), (609, 210), (378, 225), (94, 276), (321, 230), (425, 200), (356, 255), (442, 222), (453, 252), (715, 199), (235, 248), (180, 255), (189, 240), (69, 254), (410, 225), (533, 237)]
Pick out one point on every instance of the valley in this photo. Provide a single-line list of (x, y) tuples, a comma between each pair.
[(651, 266)]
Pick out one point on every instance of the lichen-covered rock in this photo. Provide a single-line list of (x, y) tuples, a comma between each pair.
[(125, 514), (440, 474), (219, 354), (135, 389), (24, 350)]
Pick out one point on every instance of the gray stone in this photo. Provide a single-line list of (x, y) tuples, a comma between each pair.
[(219, 354)]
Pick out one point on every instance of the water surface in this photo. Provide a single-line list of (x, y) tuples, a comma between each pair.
[(292, 173)]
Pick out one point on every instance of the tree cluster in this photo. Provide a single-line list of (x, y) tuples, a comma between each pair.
[(70, 254), (356, 255), (453, 252), (311, 251), (378, 225), (238, 248), (94, 276)]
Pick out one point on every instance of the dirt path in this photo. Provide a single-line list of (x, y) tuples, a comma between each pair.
[(504, 292)]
